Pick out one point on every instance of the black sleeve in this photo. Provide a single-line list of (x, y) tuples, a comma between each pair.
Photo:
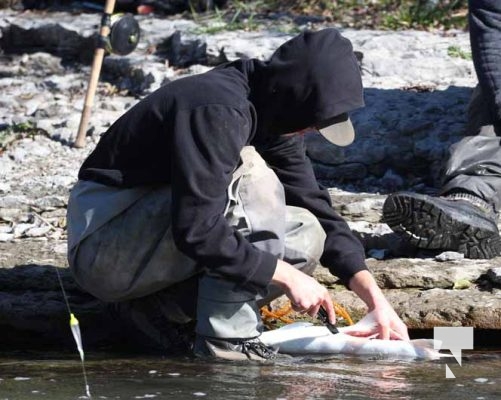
[(207, 143), (343, 253)]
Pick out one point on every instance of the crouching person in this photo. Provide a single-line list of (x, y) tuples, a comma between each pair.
[(202, 191)]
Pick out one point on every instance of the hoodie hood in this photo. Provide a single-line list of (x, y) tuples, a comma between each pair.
[(309, 79)]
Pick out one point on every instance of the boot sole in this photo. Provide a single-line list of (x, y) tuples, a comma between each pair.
[(428, 224)]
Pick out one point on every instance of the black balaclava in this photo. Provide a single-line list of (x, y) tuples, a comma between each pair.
[(310, 78)]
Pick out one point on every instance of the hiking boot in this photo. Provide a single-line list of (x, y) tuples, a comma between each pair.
[(459, 222), (233, 349)]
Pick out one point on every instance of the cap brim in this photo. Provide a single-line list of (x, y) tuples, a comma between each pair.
[(340, 133)]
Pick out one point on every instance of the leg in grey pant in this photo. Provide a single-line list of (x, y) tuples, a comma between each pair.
[(474, 165), (485, 38)]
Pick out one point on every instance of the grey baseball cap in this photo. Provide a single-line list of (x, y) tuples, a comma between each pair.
[(338, 130)]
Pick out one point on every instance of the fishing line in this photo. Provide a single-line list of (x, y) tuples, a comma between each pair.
[(75, 330)]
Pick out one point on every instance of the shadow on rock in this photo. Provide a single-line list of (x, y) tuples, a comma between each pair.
[(34, 314), (403, 137)]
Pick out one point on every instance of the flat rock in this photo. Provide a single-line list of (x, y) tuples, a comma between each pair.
[(436, 307)]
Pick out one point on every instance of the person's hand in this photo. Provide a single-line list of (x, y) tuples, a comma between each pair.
[(304, 292), (382, 323), (385, 323), (388, 323)]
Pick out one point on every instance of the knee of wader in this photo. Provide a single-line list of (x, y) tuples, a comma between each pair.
[(317, 240), (98, 283), (308, 236), (104, 289)]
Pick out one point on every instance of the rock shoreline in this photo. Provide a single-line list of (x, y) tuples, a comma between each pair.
[(416, 97)]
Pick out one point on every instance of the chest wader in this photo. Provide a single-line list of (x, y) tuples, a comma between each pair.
[(121, 249)]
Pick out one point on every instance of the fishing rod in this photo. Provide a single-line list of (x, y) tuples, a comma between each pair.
[(118, 34)]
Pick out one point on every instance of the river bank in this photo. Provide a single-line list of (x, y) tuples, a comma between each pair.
[(417, 88)]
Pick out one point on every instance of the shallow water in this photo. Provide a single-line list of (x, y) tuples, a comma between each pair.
[(56, 376)]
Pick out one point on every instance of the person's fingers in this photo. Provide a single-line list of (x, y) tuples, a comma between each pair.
[(363, 334), (359, 332), (401, 333), (313, 311), (329, 307), (404, 331), (384, 332), (394, 335), (404, 334), (302, 308), (356, 333), (376, 332), (297, 307)]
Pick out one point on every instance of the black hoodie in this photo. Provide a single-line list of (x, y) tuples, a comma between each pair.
[(189, 134)]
